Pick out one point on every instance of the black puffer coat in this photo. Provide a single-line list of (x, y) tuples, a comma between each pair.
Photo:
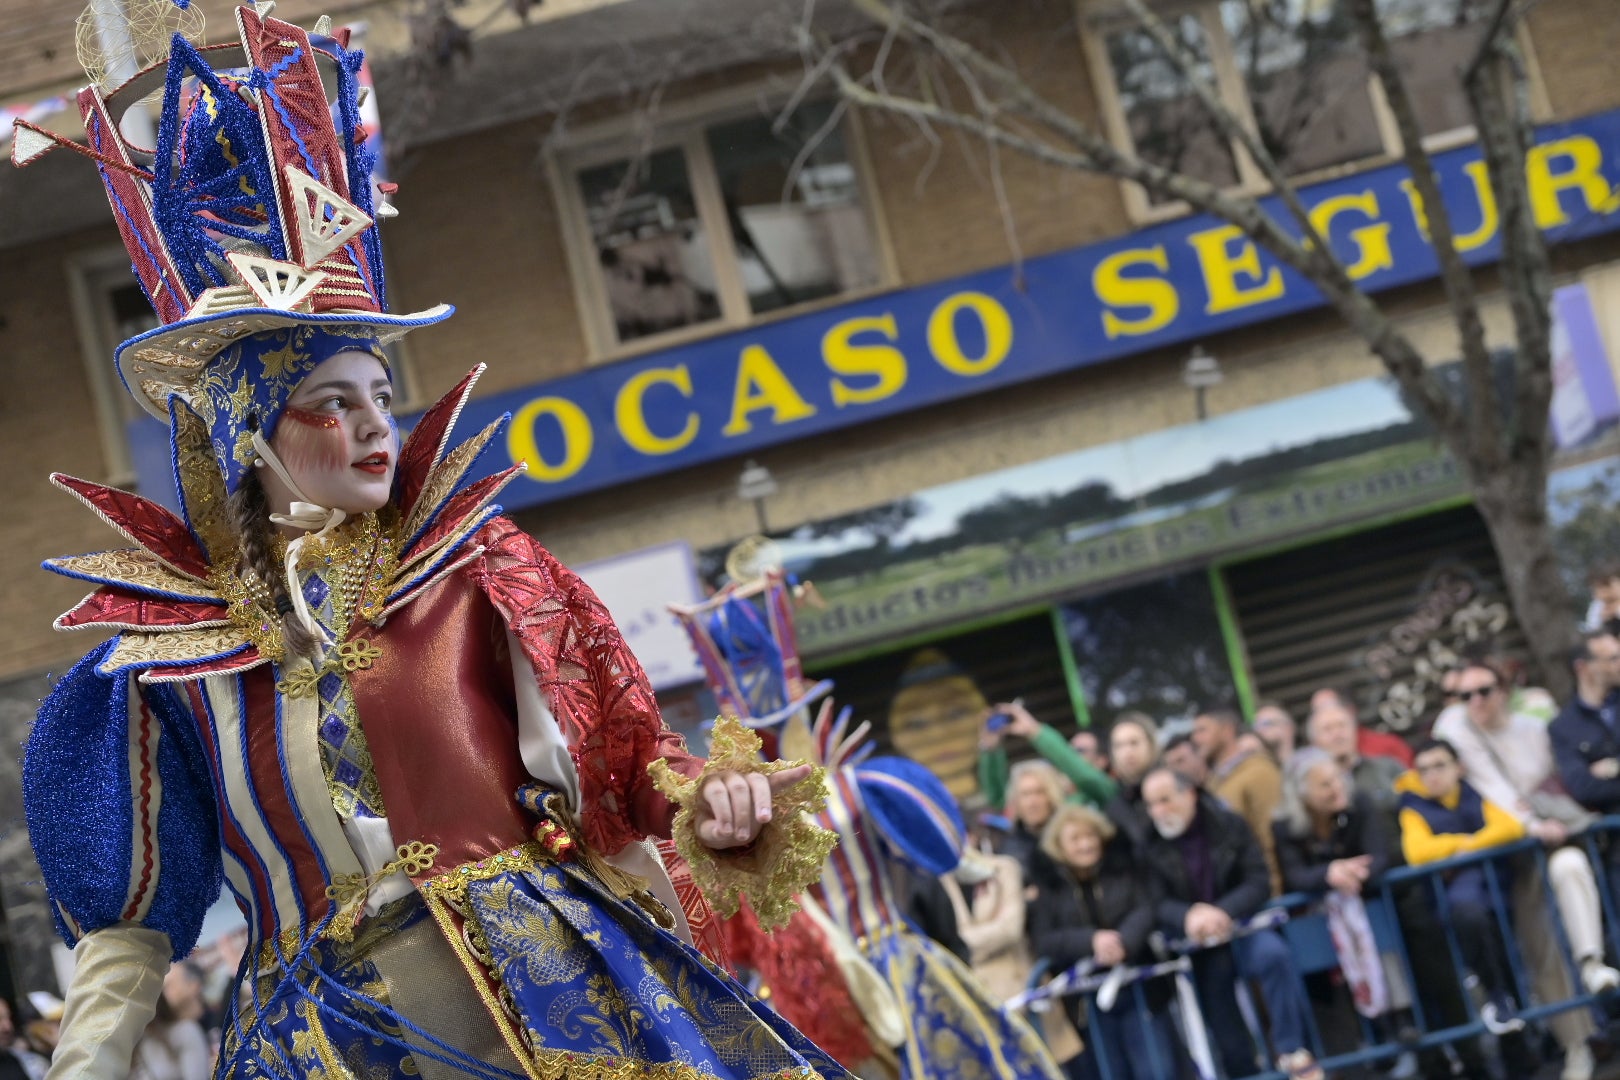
[(1068, 911)]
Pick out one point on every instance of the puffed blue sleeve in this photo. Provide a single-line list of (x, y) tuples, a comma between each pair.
[(120, 807), (914, 811)]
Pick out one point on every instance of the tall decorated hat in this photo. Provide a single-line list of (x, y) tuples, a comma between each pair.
[(745, 639), (250, 224)]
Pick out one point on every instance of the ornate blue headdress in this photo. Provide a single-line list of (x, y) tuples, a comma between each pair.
[(251, 224)]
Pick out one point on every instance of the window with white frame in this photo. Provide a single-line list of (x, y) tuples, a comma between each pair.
[(721, 222), (1293, 70)]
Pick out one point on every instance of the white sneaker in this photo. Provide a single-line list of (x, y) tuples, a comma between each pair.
[(1598, 977), (1578, 1062), (1491, 1016)]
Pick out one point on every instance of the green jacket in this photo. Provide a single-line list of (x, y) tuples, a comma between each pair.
[(1092, 786)]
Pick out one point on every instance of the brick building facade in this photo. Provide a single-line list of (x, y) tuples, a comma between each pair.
[(494, 218)]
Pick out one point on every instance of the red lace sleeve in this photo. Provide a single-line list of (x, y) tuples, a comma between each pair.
[(593, 683)]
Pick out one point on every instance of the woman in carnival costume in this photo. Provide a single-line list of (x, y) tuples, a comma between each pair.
[(922, 1014), (411, 743)]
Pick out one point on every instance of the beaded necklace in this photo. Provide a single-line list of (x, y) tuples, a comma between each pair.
[(357, 560)]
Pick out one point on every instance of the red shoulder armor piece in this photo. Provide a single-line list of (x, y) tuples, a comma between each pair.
[(241, 660), (596, 689), (429, 440), (142, 522), (172, 623), (111, 608)]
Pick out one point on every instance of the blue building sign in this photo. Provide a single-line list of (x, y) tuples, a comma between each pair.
[(1172, 283)]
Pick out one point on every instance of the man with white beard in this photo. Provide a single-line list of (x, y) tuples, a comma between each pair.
[(1211, 876)]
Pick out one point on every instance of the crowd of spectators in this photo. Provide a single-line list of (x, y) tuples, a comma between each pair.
[(1125, 847), (25, 1054)]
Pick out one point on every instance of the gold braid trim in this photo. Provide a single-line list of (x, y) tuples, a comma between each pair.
[(351, 890), (786, 856), (354, 655), (566, 1065), (453, 884)]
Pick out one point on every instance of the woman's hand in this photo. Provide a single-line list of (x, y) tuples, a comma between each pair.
[(733, 807), (1022, 722), (1108, 948), (1549, 832), (1206, 923), (1347, 876)]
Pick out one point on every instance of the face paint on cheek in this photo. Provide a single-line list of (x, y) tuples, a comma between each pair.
[(311, 442)]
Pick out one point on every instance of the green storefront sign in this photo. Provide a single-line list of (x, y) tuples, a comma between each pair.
[(911, 595)]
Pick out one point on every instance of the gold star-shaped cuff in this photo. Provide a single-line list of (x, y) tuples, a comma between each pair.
[(787, 855)]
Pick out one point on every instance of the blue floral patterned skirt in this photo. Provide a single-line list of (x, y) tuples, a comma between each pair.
[(955, 1030), (533, 972)]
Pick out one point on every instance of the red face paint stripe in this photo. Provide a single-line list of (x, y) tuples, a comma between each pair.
[(310, 442)]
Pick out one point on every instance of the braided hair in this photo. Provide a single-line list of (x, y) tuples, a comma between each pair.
[(250, 517)]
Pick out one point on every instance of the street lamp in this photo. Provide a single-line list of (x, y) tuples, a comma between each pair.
[(1201, 372), (756, 484)]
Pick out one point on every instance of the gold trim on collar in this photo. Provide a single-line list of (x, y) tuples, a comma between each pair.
[(134, 568), (140, 649), (442, 481)]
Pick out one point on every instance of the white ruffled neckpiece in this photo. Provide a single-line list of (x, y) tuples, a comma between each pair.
[(316, 520)]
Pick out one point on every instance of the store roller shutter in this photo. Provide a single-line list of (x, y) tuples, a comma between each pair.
[(1317, 615)]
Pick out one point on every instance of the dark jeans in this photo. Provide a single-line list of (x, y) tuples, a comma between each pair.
[(1264, 958), (1133, 1041), (1437, 983), (1478, 936)]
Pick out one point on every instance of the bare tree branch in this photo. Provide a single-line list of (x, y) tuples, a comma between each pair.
[(1487, 43), (1505, 135), (927, 112), (1009, 228), (1481, 423), (1096, 153), (1235, 130), (909, 65), (1020, 94), (1354, 306)]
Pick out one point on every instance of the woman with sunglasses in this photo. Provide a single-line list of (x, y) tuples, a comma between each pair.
[(1509, 760)]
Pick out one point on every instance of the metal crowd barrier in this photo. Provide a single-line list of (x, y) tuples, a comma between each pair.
[(1311, 950)]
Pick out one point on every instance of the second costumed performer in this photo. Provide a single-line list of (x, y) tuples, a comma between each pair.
[(411, 743), (849, 966)]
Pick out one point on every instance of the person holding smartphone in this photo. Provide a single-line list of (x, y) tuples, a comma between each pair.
[(1031, 791)]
